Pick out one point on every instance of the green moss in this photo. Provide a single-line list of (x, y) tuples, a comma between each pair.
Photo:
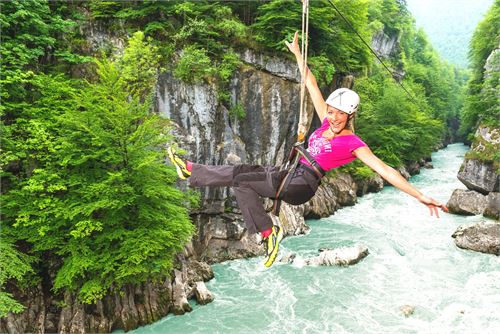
[(358, 170), (485, 151)]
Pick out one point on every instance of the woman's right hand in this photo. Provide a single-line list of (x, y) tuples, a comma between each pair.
[(294, 45), (432, 204)]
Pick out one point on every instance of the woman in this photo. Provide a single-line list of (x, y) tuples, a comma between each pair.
[(330, 146)]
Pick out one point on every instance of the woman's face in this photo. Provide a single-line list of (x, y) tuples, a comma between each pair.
[(337, 119)]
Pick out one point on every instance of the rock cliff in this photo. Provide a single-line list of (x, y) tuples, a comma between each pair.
[(480, 174)]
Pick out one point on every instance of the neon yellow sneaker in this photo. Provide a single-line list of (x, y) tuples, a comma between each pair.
[(271, 244), (180, 165)]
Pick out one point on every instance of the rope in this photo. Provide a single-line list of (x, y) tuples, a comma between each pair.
[(376, 55), (302, 129)]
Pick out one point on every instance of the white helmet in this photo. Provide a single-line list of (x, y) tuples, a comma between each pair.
[(344, 99)]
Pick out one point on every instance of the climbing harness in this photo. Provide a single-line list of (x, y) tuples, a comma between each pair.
[(296, 153)]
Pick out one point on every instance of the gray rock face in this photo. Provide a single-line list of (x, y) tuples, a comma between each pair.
[(127, 308), (223, 237), (483, 237), (467, 202), (492, 65), (404, 172), (384, 45), (479, 175), (373, 184), (492, 209), (333, 193), (277, 66), (203, 295), (179, 294), (291, 219)]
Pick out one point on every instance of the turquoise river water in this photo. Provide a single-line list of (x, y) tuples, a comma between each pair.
[(413, 261)]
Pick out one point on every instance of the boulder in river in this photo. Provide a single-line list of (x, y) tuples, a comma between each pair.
[(479, 175), (329, 257), (202, 294), (467, 202), (482, 237), (340, 256), (492, 209), (407, 310)]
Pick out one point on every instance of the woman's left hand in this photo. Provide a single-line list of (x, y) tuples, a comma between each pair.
[(432, 204)]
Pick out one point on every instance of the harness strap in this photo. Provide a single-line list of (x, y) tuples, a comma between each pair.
[(314, 164), (297, 151)]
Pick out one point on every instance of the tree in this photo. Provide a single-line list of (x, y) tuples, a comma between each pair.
[(329, 35), (481, 103), (97, 200)]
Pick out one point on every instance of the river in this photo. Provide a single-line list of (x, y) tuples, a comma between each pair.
[(413, 261)]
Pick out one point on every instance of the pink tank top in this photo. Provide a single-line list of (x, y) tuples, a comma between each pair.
[(332, 153)]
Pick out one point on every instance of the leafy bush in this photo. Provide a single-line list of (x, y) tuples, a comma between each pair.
[(329, 35), (193, 66), (237, 112), (93, 190)]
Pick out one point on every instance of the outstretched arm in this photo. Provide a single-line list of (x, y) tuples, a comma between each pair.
[(311, 84), (393, 177)]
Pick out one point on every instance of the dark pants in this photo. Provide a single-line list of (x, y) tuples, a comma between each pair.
[(250, 183)]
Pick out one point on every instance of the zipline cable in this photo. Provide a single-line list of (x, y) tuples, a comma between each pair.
[(376, 55)]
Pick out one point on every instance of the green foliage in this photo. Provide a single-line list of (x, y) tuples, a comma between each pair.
[(395, 16), (100, 9), (31, 37), (482, 103), (238, 112), (230, 62), (439, 84), (144, 55), (193, 66), (358, 170), (485, 38), (329, 35), (397, 130), (87, 178), (322, 69), (14, 265)]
